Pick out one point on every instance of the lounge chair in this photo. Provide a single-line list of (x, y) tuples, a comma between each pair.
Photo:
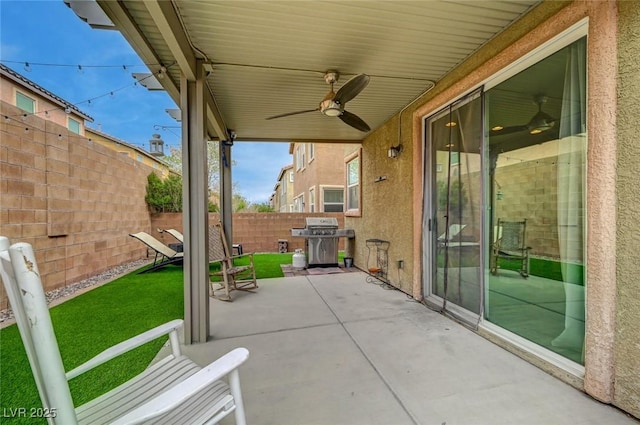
[(237, 248), (234, 277), (164, 254), (454, 231), (454, 238), (173, 232), (172, 390)]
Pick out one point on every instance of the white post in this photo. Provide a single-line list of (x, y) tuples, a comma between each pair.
[(49, 361)]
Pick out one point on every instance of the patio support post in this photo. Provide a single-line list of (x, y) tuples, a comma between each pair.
[(226, 195), (195, 207)]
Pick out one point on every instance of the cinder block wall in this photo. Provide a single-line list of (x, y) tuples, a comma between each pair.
[(74, 200), (257, 232)]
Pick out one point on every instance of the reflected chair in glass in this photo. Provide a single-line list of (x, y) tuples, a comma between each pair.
[(510, 245)]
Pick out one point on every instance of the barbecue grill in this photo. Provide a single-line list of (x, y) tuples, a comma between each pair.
[(322, 235)]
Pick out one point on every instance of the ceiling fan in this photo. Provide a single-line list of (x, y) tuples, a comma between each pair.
[(333, 103), (540, 122)]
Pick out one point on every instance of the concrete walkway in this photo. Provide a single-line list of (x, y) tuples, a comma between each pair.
[(333, 349)]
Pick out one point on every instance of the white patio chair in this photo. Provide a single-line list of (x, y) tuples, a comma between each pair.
[(172, 390)]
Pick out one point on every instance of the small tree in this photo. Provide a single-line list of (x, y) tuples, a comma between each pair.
[(164, 195)]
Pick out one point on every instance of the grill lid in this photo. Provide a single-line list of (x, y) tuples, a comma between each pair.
[(326, 222)]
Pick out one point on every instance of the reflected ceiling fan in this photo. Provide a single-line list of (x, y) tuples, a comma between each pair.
[(540, 122), (333, 103)]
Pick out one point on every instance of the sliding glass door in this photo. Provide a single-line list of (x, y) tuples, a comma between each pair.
[(537, 148), (454, 205), (504, 203)]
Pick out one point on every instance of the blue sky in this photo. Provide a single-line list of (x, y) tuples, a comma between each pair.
[(47, 32)]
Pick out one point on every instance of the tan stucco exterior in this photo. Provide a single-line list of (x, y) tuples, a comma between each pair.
[(392, 208), (627, 335)]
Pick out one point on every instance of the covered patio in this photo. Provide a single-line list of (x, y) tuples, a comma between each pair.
[(334, 349)]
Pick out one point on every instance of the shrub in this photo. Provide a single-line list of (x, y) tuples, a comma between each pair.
[(164, 195)]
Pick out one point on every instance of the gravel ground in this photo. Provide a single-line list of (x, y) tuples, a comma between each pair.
[(61, 294)]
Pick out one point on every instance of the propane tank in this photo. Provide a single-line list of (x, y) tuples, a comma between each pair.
[(299, 260)]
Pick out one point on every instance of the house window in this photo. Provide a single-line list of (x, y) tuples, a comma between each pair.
[(312, 200), (353, 175), (333, 200), (283, 196), (298, 203), (311, 151), (25, 103), (300, 157), (291, 176), (74, 126)]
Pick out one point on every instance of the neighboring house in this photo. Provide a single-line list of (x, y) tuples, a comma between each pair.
[(131, 151), (35, 100), (319, 176), (282, 198)]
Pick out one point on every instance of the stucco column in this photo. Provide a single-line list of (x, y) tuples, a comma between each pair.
[(601, 194), (195, 208)]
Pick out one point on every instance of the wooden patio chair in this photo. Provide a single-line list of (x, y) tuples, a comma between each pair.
[(510, 244), (164, 255), (233, 277), (172, 390)]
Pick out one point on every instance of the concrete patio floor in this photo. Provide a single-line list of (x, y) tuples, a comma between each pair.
[(333, 349)]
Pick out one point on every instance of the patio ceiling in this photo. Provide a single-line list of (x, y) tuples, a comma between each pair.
[(266, 58)]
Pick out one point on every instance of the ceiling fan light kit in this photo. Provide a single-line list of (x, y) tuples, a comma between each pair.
[(334, 102), (539, 123)]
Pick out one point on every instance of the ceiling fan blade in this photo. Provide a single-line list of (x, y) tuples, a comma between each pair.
[(509, 130), (354, 121), (351, 88), (292, 113)]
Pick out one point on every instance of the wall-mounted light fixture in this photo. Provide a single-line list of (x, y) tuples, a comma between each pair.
[(394, 151)]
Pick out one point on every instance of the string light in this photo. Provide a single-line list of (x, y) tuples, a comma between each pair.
[(111, 93), (75, 65)]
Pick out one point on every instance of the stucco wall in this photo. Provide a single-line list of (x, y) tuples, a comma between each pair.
[(75, 201), (627, 337), (387, 203)]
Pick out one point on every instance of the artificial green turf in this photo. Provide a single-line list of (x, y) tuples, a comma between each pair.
[(98, 319)]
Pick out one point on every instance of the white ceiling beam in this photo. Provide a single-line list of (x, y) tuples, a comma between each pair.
[(214, 117), (170, 27)]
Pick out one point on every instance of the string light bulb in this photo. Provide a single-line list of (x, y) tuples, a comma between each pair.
[(27, 67), (161, 72)]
